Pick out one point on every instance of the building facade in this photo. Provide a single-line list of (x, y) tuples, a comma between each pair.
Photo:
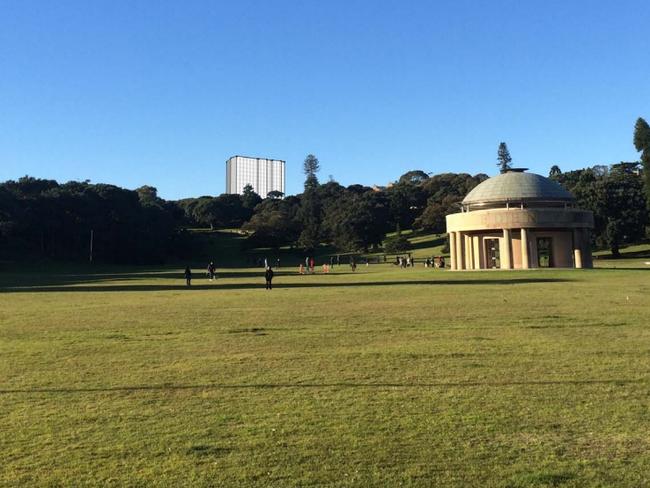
[(263, 174), (519, 220)]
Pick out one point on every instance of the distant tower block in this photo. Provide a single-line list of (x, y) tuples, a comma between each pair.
[(263, 174)]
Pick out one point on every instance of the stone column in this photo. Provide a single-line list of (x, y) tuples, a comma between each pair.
[(506, 260), (469, 255), (577, 249), (476, 251), (460, 262), (587, 260), (525, 255), (452, 250)]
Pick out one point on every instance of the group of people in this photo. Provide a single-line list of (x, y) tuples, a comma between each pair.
[(404, 262), (409, 262), (435, 262), (310, 264), (211, 273), (308, 267)]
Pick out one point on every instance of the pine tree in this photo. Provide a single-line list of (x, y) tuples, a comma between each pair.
[(311, 166), (503, 156), (642, 143)]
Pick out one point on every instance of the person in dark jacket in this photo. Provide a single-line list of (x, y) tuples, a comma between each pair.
[(188, 276), (268, 275)]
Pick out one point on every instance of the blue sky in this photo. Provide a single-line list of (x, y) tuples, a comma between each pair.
[(162, 93)]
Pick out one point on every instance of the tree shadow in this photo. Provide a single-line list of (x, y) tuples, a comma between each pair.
[(343, 384), (30, 279), (621, 268), (215, 286)]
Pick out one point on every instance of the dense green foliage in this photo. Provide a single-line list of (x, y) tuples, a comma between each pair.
[(617, 198), (41, 218), (642, 144)]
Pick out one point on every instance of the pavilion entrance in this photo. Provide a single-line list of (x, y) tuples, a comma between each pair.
[(545, 252), (492, 255)]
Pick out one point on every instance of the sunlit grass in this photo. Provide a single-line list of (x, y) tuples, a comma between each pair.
[(385, 376)]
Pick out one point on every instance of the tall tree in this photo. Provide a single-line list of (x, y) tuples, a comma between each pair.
[(310, 216), (249, 198), (555, 171), (642, 143), (415, 177), (503, 157), (311, 166)]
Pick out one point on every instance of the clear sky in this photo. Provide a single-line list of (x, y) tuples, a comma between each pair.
[(162, 93)]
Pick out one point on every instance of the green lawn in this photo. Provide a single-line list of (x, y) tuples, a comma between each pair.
[(380, 378)]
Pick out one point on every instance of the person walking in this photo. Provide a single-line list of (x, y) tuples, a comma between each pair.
[(312, 264), (188, 276), (268, 276), (211, 270)]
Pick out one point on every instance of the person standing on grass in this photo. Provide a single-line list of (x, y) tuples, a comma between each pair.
[(268, 276), (188, 276), (312, 263), (211, 270)]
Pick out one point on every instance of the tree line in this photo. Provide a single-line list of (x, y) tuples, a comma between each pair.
[(45, 219)]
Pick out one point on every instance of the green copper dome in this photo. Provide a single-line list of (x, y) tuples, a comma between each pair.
[(517, 186)]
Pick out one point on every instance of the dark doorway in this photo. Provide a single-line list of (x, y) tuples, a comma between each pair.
[(492, 255), (545, 252)]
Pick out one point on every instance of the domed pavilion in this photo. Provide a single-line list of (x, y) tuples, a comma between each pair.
[(519, 220)]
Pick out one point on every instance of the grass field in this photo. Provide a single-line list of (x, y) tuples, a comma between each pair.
[(386, 377)]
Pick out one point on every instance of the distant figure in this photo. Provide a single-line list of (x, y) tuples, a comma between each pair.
[(338, 260), (301, 269), (188, 276), (211, 271), (331, 261), (268, 275), (266, 263), (353, 265), (312, 263), (442, 262), (307, 263), (277, 263)]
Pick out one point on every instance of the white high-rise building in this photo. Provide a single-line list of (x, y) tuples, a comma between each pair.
[(264, 175)]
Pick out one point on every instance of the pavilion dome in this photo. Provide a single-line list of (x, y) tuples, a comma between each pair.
[(517, 186)]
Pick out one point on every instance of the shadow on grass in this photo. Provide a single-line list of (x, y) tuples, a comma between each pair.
[(265, 386), (14, 280), (276, 285), (622, 268)]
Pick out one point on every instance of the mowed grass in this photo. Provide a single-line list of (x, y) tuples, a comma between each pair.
[(385, 377)]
